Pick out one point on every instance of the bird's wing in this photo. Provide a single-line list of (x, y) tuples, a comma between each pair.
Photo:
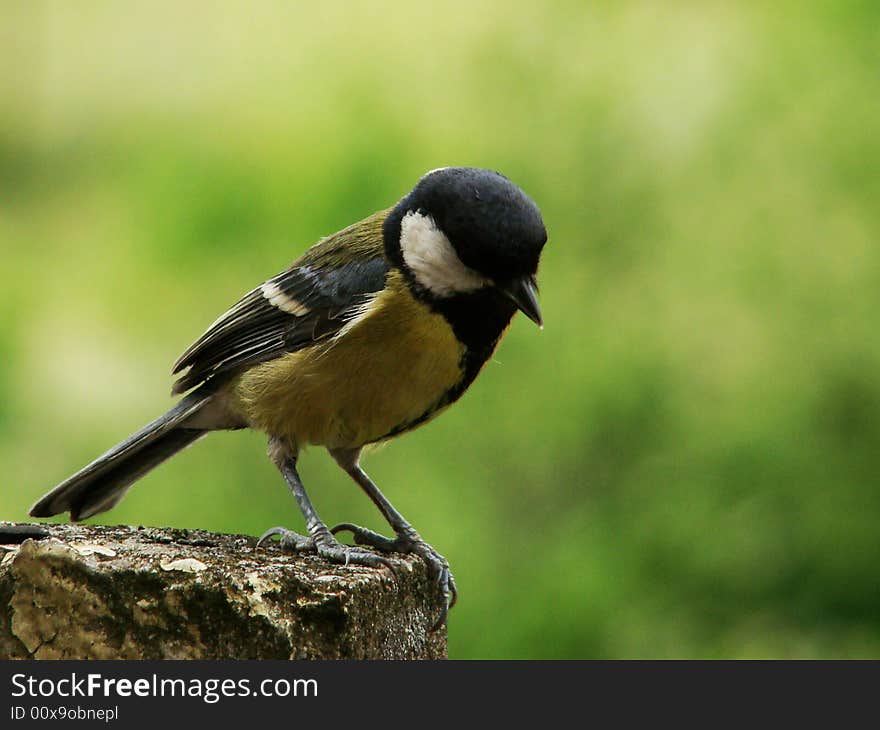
[(308, 302)]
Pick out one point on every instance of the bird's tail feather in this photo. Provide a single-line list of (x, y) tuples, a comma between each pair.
[(100, 485)]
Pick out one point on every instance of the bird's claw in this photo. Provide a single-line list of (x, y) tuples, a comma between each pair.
[(363, 536), (410, 542), (290, 540), (327, 547)]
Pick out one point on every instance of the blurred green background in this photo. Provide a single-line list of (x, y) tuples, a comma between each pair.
[(684, 463)]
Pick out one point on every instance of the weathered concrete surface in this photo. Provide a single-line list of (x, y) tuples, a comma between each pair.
[(86, 592)]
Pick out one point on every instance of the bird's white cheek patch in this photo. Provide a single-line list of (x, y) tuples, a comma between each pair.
[(277, 298), (432, 259)]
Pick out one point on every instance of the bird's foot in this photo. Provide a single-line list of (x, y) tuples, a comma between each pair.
[(326, 546), (409, 541)]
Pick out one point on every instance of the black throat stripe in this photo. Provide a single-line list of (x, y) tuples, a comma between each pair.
[(478, 320)]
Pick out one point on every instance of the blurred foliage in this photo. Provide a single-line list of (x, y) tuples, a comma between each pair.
[(684, 463)]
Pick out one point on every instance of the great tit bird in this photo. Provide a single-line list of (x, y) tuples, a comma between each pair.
[(372, 332)]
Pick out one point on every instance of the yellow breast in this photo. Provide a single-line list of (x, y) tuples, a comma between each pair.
[(383, 370)]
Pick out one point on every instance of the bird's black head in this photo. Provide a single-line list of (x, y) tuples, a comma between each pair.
[(461, 230)]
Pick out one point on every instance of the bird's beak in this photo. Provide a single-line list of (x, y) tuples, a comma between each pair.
[(524, 293)]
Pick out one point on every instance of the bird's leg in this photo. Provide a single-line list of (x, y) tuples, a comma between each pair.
[(319, 540), (407, 540)]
